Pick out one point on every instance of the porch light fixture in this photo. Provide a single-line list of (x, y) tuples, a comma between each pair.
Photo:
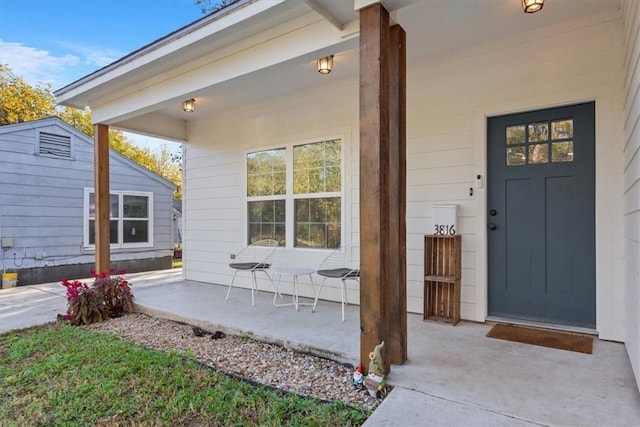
[(189, 105), (325, 64), (532, 6)]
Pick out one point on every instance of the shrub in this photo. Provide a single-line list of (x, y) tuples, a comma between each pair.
[(108, 296)]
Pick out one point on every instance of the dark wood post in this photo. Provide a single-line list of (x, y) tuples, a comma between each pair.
[(101, 188), (375, 297), (397, 350)]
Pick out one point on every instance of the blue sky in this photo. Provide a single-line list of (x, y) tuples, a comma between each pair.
[(59, 41)]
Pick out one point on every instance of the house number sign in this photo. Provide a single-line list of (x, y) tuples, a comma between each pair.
[(444, 230), (445, 220)]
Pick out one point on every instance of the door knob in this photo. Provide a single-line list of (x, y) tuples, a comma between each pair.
[(492, 226)]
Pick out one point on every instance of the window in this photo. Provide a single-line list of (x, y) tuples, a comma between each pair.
[(130, 219), (53, 145), (531, 143), (316, 185), (303, 203), (266, 190)]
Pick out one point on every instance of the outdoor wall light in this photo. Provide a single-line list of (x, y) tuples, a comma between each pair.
[(325, 65), (532, 6), (189, 105)]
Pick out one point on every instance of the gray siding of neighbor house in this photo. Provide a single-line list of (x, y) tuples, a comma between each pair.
[(42, 202)]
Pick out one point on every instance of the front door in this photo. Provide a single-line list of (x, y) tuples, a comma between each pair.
[(541, 218)]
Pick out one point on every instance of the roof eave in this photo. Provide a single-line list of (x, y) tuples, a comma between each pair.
[(68, 93)]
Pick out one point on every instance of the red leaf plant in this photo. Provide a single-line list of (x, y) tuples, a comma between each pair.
[(108, 296)]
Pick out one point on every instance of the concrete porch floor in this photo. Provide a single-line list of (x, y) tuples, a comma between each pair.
[(454, 375)]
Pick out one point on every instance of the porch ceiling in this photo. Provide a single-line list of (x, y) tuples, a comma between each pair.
[(432, 26)]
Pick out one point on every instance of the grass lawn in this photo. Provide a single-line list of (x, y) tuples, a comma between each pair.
[(176, 263), (64, 375)]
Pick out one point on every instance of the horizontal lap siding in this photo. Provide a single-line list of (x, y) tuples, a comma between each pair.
[(449, 99), (632, 183), (215, 185), (42, 200), (441, 161)]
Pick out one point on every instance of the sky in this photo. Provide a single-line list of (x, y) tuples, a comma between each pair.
[(59, 41)]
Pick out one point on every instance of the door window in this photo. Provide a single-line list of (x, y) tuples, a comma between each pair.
[(539, 143)]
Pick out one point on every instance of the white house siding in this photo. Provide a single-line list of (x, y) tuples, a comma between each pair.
[(42, 201), (215, 182), (632, 181), (448, 101)]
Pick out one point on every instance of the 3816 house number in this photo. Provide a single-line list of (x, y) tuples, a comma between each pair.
[(445, 220), (444, 230)]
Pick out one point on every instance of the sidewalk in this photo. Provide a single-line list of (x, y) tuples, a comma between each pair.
[(25, 306), (455, 376)]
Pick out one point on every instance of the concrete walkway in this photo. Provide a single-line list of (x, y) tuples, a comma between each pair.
[(455, 376)]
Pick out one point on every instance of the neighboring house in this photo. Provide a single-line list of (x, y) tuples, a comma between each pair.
[(527, 122), (177, 228), (47, 208)]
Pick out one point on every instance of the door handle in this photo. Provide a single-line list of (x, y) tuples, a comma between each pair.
[(492, 226)]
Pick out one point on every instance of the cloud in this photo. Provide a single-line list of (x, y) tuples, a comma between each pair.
[(37, 65), (92, 56)]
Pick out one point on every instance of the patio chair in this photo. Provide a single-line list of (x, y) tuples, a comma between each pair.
[(338, 265), (257, 257)]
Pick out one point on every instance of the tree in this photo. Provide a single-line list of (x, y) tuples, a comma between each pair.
[(21, 102), (81, 120), (210, 6), (170, 169), (162, 164)]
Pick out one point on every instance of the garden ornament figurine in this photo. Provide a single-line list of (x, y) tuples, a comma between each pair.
[(358, 377), (375, 378)]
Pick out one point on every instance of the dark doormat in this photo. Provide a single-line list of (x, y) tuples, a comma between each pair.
[(543, 337)]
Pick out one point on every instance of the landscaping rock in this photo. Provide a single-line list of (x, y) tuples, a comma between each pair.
[(256, 361)]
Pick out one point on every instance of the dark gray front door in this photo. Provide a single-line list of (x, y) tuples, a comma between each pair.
[(541, 219)]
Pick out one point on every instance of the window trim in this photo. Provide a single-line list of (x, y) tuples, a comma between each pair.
[(120, 218), (289, 195)]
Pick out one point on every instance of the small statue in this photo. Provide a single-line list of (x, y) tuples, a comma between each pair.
[(358, 377), (376, 365), (374, 382)]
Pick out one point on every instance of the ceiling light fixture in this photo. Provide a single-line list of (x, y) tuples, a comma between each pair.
[(189, 105), (325, 64), (532, 6)]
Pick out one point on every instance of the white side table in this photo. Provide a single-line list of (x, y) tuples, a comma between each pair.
[(292, 272)]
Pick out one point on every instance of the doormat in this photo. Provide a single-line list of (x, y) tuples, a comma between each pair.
[(543, 337)]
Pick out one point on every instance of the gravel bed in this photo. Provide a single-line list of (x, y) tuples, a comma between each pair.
[(257, 361)]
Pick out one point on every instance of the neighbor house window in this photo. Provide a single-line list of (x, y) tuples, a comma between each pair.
[(296, 192), (130, 219)]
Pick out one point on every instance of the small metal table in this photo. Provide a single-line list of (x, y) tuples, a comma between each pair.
[(292, 272)]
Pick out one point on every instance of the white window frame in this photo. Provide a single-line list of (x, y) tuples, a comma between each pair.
[(289, 195), (120, 244)]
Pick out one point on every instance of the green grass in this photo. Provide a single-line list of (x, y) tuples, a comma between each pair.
[(176, 263), (63, 375)]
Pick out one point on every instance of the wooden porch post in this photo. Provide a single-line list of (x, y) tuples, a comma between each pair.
[(101, 188), (397, 350), (375, 296)]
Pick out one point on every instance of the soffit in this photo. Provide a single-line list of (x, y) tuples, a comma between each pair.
[(433, 27)]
